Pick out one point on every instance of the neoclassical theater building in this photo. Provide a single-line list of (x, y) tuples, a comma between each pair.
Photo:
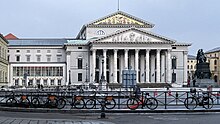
[(120, 40)]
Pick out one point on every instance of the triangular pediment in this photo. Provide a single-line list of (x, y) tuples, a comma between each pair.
[(120, 19), (134, 35)]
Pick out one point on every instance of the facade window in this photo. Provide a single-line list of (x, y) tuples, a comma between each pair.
[(191, 67), (38, 58), (48, 58), (215, 62), (174, 62), (79, 47), (173, 47), (45, 82), (59, 58), (51, 82), (80, 62), (58, 51), (59, 83), (215, 68), (100, 32), (8, 58), (28, 58), (38, 82), (23, 83), (30, 83), (17, 51), (79, 76), (18, 58), (188, 67), (16, 82)]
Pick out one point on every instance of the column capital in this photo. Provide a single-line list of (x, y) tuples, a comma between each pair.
[(169, 50), (137, 50), (126, 50), (148, 50), (115, 50), (158, 50), (105, 50), (185, 52)]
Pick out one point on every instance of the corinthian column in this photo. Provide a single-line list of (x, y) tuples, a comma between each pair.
[(147, 65), (93, 64), (158, 66), (168, 66), (104, 66), (115, 66), (136, 64), (126, 59)]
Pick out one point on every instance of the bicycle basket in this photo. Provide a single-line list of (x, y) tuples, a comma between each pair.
[(23, 97), (109, 97), (52, 97), (78, 97)]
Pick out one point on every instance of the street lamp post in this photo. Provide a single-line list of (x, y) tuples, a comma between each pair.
[(102, 80)]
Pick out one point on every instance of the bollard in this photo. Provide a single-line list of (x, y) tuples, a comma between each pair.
[(103, 108)]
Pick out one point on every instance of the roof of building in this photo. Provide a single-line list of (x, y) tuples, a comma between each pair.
[(37, 42), (217, 49), (10, 36), (76, 42), (3, 38), (191, 57), (181, 44)]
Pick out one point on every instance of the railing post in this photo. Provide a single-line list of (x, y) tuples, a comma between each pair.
[(119, 97), (165, 99), (103, 108)]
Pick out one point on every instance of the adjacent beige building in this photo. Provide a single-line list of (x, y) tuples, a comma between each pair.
[(213, 57), (191, 66), (3, 61)]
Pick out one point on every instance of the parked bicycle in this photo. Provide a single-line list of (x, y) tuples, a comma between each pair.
[(205, 100), (49, 102), (76, 101), (134, 101), (21, 101), (96, 99)]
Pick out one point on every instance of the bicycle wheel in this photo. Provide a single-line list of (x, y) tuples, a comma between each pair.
[(90, 104), (11, 102), (35, 102), (151, 103), (110, 103), (25, 103), (61, 102), (79, 104), (132, 103), (207, 102), (190, 103)]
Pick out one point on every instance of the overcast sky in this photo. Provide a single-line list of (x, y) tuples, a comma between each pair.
[(191, 21)]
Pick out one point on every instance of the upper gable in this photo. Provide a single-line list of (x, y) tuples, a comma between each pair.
[(135, 35), (120, 19)]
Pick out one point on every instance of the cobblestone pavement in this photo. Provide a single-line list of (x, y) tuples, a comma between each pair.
[(6, 120)]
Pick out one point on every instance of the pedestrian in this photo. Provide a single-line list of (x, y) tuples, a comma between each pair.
[(137, 91), (194, 82), (188, 83)]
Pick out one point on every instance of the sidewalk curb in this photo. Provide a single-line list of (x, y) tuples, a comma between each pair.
[(96, 111)]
